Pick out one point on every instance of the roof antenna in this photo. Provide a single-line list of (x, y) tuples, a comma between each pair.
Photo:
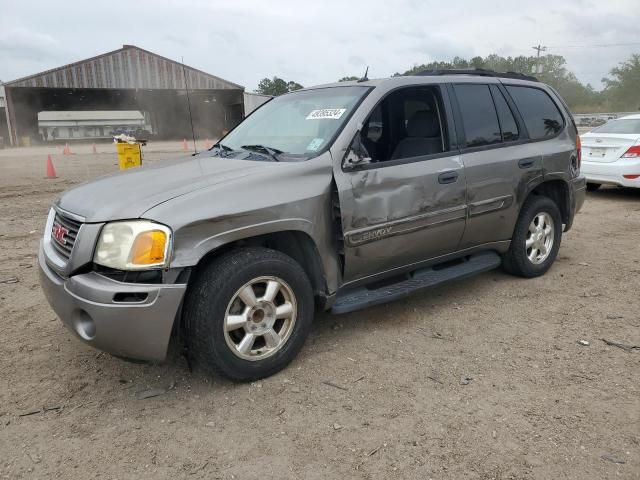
[(365, 78), (193, 133)]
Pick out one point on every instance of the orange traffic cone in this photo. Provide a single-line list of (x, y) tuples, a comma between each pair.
[(66, 150), (185, 147), (94, 148), (51, 171)]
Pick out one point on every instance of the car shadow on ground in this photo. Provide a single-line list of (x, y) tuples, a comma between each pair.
[(617, 193), (327, 328)]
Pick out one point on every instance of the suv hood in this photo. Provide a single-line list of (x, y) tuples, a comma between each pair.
[(130, 194)]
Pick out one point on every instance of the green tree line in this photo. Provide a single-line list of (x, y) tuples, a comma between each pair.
[(276, 86), (621, 90)]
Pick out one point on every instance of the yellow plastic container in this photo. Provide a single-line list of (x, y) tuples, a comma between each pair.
[(129, 155)]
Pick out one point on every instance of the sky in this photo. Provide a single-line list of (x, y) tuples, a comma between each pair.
[(320, 41)]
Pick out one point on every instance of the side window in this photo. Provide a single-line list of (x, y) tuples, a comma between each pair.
[(408, 123), (374, 125), (539, 112), (479, 116), (508, 124)]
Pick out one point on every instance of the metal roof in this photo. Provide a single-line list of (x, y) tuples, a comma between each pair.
[(127, 67), (91, 115), (256, 94)]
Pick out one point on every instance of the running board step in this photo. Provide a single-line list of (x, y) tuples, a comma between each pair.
[(362, 297)]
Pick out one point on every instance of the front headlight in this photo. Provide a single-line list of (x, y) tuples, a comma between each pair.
[(133, 245)]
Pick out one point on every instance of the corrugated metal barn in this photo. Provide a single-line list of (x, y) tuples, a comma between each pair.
[(126, 79)]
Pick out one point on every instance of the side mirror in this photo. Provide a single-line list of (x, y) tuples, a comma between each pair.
[(357, 154)]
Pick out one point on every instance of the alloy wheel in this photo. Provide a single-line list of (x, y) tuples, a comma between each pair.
[(540, 238), (260, 318)]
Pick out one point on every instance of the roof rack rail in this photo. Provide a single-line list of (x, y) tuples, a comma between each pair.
[(482, 72)]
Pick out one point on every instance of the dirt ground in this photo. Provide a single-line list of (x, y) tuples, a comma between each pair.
[(482, 379)]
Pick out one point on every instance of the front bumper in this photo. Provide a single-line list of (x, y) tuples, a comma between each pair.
[(136, 323), (613, 173)]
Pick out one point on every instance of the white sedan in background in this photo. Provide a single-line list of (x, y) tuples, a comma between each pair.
[(611, 154)]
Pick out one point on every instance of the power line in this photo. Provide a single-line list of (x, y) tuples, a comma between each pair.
[(600, 45)]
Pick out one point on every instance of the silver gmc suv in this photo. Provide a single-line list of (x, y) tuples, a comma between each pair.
[(335, 197)]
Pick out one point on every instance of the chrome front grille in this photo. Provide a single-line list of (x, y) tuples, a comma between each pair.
[(64, 232)]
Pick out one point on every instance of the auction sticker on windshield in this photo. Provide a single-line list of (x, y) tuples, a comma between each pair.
[(331, 113)]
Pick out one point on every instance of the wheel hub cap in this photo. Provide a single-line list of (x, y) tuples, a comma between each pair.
[(262, 317)]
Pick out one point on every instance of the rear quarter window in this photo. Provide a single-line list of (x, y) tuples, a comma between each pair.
[(539, 112)]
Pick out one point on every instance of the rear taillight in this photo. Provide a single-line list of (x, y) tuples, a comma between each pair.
[(631, 177), (577, 158), (633, 152)]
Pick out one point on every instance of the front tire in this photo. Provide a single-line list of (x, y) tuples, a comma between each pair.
[(536, 238), (248, 313), (592, 187)]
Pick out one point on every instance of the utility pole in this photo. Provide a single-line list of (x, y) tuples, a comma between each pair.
[(539, 48)]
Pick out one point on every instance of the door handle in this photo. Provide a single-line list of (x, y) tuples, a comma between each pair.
[(447, 177), (526, 162)]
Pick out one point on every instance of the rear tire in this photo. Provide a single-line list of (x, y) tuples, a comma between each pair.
[(592, 187), (536, 238), (248, 313)]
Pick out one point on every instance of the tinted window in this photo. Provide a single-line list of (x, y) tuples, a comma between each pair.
[(479, 116), (507, 121), (540, 114)]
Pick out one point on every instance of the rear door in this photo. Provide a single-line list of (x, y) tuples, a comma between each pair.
[(547, 129), (406, 203), (499, 167)]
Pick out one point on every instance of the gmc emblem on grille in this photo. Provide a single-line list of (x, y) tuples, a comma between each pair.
[(59, 233)]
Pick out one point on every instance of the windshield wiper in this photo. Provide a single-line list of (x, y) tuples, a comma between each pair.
[(219, 148), (272, 152)]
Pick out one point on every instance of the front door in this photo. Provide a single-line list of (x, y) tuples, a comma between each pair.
[(405, 201)]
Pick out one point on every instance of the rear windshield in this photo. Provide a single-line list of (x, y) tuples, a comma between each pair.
[(631, 125)]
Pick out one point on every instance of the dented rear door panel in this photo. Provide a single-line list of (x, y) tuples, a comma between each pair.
[(497, 185)]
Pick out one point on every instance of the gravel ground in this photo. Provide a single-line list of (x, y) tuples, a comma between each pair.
[(482, 379)]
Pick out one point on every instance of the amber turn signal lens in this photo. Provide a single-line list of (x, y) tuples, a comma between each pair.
[(149, 248)]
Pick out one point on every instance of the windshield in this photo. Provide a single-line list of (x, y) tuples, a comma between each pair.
[(297, 124), (631, 125)]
